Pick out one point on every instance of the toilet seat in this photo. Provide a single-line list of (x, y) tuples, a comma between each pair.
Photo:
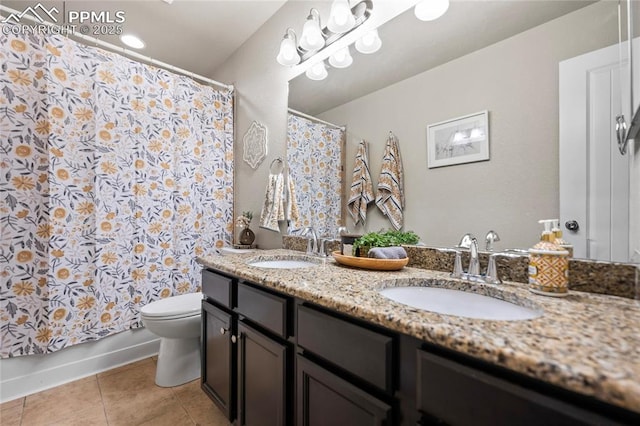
[(183, 306)]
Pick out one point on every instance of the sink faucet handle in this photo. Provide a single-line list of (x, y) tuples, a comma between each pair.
[(492, 271), (312, 239), (474, 262), (457, 265), (491, 237), (322, 246)]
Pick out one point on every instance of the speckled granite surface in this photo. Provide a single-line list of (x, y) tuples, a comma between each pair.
[(615, 279), (584, 342)]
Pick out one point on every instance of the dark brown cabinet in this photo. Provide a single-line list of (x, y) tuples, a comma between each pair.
[(218, 358), (325, 399), (262, 375), (246, 366), (269, 359)]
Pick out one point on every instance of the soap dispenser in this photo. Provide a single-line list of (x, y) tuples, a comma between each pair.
[(548, 265), (558, 240)]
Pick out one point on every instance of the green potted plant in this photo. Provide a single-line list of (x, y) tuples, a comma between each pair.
[(362, 245)]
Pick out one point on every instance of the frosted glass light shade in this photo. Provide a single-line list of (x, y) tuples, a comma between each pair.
[(429, 10), (369, 43), (317, 71), (341, 19), (311, 38), (288, 54), (341, 59)]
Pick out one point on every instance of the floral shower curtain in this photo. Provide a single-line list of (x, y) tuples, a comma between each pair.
[(114, 176), (314, 157)]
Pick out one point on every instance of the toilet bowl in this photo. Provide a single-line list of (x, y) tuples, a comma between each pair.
[(176, 320)]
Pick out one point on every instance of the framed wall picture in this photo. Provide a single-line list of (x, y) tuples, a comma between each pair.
[(459, 140)]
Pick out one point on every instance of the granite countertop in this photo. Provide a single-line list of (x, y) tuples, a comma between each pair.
[(584, 342)]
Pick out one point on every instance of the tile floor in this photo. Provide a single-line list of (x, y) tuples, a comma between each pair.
[(124, 396)]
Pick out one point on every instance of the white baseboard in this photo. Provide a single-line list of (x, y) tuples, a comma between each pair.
[(26, 375)]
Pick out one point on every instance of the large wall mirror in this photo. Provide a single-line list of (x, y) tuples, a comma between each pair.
[(315, 154), (503, 57)]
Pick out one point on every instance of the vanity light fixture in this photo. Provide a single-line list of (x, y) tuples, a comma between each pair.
[(430, 10), (312, 39), (341, 18), (317, 71), (369, 43), (132, 41), (341, 59), (288, 54)]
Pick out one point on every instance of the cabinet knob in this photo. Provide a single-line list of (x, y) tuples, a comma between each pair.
[(223, 330), (234, 339), (572, 225)]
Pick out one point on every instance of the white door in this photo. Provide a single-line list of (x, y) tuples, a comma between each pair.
[(594, 176)]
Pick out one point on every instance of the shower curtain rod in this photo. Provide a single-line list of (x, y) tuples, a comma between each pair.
[(312, 118), (123, 50)]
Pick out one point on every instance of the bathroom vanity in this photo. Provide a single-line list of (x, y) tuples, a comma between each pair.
[(320, 345)]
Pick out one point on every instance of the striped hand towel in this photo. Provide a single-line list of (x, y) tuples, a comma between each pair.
[(390, 198), (361, 193)]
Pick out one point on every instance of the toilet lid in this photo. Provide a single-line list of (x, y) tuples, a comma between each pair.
[(174, 306)]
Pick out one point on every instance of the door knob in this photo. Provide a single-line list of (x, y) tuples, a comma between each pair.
[(572, 225)]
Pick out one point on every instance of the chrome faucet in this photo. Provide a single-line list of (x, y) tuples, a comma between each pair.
[(312, 240), (468, 241)]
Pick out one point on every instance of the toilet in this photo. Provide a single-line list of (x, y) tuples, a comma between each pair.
[(176, 320)]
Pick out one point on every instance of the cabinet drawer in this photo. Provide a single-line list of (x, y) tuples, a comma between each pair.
[(266, 309), (218, 287), (358, 350), (326, 399), (461, 395)]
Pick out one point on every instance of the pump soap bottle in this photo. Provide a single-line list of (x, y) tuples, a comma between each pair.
[(558, 240), (548, 265)]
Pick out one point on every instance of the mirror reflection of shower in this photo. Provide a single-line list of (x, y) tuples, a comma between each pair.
[(315, 151)]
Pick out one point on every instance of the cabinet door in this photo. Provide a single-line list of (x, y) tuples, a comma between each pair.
[(324, 399), (218, 358), (262, 379)]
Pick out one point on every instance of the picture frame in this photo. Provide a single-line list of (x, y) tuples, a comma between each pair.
[(458, 140)]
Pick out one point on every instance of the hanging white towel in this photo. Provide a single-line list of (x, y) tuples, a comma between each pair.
[(293, 213), (273, 207), (361, 193), (390, 198)]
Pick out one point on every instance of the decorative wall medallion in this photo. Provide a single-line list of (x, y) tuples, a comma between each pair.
[(255, 144)]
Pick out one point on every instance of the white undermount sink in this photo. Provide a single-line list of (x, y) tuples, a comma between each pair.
[(459, 303)]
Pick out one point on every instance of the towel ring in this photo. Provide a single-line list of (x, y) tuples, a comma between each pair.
[(277, 161)]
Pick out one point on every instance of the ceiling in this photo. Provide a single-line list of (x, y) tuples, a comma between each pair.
[(410, 46), (197, 36), (200, 35)]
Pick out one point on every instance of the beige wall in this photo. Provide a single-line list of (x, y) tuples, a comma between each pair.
[(516, 80), (261, 95)]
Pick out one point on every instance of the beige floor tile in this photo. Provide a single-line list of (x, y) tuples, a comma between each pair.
[(11, 404), (130, 396), (56, 404), (140, 411), (11, 412), (92, 416), (133, 365), (200, 408)]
